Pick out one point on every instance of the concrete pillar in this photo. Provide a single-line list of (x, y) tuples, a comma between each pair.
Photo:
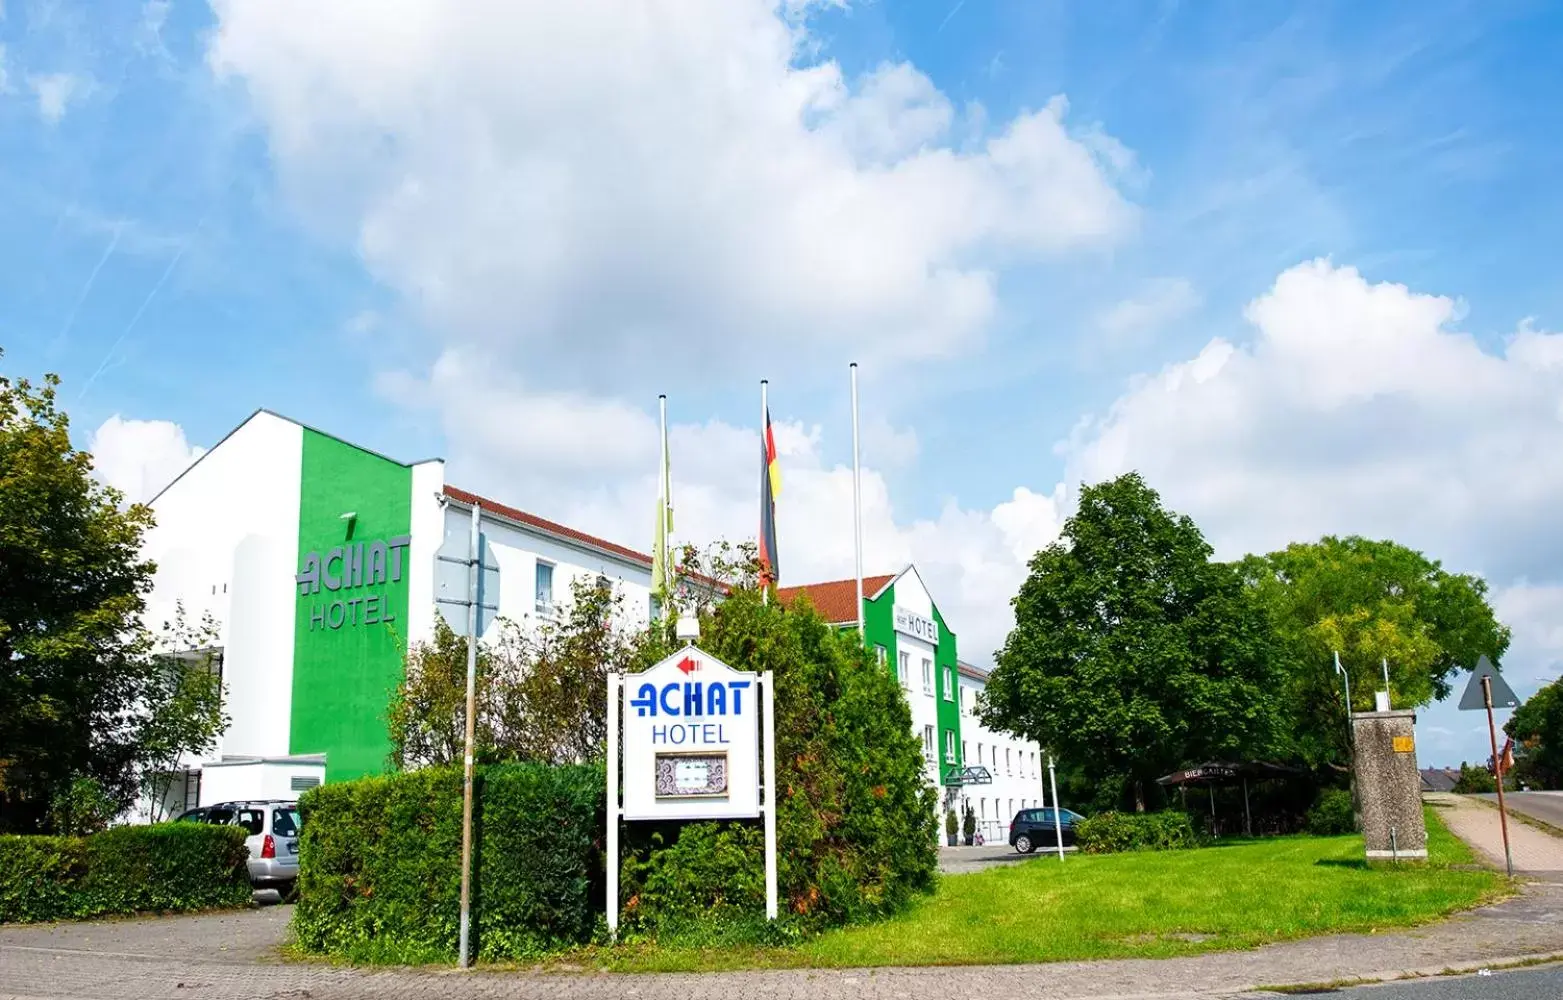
[(1389, 787)]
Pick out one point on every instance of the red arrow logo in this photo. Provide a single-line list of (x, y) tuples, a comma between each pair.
[(688, 665)]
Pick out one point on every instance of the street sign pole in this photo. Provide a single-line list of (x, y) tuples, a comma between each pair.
[(1497, 771)]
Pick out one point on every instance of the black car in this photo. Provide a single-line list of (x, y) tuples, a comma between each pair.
[(1033, 828)]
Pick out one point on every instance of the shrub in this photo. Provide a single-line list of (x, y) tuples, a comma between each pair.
[(1115, 831), (1475, 780), (380, 863), (856, 827), (130, 869), (1332, 814)]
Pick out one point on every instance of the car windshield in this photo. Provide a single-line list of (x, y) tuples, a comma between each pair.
[(284, 822)]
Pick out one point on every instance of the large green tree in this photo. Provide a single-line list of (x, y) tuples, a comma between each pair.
[(1132, 652), (72, 583), (1372, 602), (1537, 729)]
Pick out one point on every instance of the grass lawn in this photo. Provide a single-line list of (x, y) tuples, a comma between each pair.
[(1142, 905)]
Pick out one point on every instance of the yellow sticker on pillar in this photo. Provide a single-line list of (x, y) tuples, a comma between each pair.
[(1402, 744)]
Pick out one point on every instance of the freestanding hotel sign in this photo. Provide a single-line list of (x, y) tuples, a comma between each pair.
[(695, 734)]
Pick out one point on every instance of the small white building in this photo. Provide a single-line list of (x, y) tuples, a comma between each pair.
[(1018, 767), (320, 561)]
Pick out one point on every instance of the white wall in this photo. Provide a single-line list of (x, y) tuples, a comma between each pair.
[(1016, 785), (226, 541), (255, 780), (517, 549), (428, 533)]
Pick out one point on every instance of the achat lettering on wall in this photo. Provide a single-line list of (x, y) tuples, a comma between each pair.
[(352, 567)]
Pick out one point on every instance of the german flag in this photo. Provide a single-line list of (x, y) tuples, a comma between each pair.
[(770, 489)]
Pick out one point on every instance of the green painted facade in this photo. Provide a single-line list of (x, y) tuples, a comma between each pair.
[(348, 637), (879, 630)]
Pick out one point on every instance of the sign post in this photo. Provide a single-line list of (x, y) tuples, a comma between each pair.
[(698, 740), (1486, 687)]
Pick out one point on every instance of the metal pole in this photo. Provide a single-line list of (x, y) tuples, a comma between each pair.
[(857, 504), (1248, 817), (666, 488), (474, 568), (1384, 662), (769, 719), (765, 418), (1058, 818), (614, 689), (1497, 771)]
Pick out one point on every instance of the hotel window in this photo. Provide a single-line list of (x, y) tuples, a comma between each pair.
[(927, 677), (545, 588), (903, 670), (979, 753), (965, 751), (1034, 772), (928, 743), (880, 655), (949, 684), (949, 746), (1006, 761)]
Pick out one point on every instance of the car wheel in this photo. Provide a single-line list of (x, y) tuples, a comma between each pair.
[(1024, 845)]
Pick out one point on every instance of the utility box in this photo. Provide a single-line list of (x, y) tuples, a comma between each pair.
[(1389, 786)]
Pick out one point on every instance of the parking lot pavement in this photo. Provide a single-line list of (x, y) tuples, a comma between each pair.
[(956, 860)]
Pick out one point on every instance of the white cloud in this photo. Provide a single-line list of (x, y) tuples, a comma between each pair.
[(656, 192), (1355, 409), (56, 92), (1159, 302), (140, 457)]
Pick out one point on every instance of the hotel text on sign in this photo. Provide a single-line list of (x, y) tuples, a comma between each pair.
[(691, 740)]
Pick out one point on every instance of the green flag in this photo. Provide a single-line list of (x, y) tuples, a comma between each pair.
[(661, 566)]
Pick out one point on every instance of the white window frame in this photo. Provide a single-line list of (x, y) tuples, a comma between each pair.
[(927, 676), (881, 655), (928, 753), (949, 683), (904, 669), (949, 746), (541, 608)]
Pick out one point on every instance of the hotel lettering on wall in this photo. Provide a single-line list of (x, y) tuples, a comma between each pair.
[(348, 568), (916, 626)]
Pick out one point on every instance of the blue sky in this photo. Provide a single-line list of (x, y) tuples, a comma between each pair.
[(497, 236)]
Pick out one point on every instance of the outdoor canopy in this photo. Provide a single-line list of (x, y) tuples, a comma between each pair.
[(1216, 773)]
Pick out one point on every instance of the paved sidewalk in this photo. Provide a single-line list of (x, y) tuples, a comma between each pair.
[(1536, 853), (169, 958)]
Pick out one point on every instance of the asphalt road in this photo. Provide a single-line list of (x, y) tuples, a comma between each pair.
[(1545, 806), (1518, 984)]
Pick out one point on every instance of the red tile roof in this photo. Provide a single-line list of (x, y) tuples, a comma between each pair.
[(554, 528), (836, 600), (547, 526)]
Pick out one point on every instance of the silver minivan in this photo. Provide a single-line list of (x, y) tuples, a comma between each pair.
[(271, 833)]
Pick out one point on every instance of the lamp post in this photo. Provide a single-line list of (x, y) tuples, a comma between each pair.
[(1350, 736), (1058, 820)]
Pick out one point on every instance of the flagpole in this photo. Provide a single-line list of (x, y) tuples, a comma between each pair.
[(667, 499), (857, 505), (765, 412)]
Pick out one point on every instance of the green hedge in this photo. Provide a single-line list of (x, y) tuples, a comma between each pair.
[(1333, 813), (380, 863), (129, 869), (1114, 831)]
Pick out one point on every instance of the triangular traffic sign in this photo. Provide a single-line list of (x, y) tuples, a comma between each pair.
[(1502, 694)]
